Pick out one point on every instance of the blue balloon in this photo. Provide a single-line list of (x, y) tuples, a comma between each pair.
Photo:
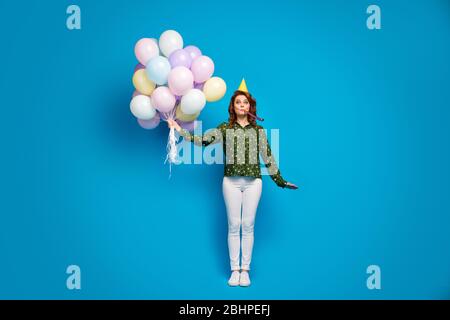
[(158, 69)]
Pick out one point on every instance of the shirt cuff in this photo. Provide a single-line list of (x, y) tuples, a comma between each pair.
[(185, 133)]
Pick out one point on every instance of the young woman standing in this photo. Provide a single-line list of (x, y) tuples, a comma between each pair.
[(243, 141)]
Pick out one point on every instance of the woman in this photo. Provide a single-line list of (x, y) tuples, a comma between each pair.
[(243, 141)]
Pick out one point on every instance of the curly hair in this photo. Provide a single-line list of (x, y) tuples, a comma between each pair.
[(232, 114)]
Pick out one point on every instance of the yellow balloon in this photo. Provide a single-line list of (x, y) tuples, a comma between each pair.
[(214, 89), (142, 83), (185, 117)]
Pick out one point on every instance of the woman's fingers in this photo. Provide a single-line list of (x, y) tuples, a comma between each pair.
[(173, 124), (291, 186)]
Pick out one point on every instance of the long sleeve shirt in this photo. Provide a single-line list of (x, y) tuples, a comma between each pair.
[(242, 147)]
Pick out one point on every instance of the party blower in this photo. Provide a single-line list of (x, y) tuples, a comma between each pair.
[(172, 82)]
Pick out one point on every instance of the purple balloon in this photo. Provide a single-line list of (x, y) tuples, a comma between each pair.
[(199, 85), (179, 58), (139, 66), (189, 126), (193, 51), (150, 124)]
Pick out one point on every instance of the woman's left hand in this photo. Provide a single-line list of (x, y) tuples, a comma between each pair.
[(291, 186)]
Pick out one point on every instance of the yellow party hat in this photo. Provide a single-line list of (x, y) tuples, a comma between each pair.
[(243, 86)]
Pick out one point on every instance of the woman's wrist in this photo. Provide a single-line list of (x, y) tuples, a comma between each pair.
[(173, 124)]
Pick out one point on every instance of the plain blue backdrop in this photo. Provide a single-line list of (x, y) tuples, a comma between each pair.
[(364, 131)]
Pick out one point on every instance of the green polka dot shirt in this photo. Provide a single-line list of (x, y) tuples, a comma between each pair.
[(242, 147)]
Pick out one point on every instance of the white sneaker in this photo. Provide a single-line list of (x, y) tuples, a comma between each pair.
[(244, 280), (234, 279)]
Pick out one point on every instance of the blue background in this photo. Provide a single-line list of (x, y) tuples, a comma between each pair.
[(364, 131)]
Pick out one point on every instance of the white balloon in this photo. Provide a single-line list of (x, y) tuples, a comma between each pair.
[(193, 101), (169, 41), (142, 108)]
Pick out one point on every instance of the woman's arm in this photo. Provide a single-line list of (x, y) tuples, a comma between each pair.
[(269, 160), (211, 137)]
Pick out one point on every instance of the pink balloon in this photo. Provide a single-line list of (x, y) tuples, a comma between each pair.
[(193, 51), (180, 80), (202, 68), (163, 99), (150, 124), (146, 49)]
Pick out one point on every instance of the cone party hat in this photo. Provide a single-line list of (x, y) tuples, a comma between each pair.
[(243, 86)]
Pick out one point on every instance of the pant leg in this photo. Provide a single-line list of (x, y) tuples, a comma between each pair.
[(250, 201), (232, 195)]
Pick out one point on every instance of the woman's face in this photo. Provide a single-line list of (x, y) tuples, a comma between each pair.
[(241, 105)]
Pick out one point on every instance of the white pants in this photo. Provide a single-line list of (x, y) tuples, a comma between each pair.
[(241, 193)]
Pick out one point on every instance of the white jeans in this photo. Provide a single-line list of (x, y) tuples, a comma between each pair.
[(241, 193)]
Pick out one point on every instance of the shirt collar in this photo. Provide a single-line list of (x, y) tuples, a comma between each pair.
[(236, 124)]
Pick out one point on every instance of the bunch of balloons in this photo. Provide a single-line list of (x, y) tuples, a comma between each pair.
[(172, 82)]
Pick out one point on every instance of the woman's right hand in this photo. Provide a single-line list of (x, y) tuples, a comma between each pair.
[(173, 124)]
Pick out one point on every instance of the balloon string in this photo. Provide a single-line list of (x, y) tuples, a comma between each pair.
[(171, 148)]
